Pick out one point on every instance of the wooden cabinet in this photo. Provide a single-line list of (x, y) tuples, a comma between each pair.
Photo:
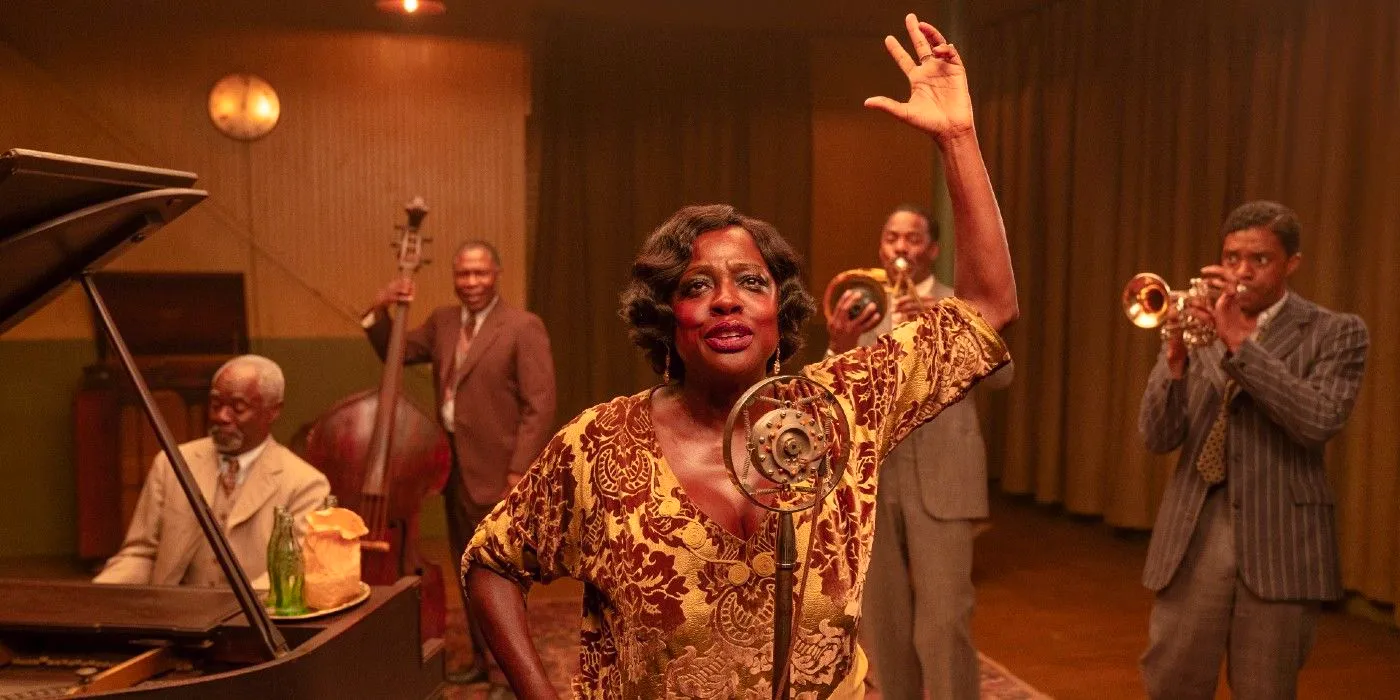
[(181, 327)]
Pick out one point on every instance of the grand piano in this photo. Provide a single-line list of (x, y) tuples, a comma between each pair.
[(61, 219)]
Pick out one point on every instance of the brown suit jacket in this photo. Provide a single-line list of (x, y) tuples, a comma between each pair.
[(504, 411), (1298, 383), (164, 535)]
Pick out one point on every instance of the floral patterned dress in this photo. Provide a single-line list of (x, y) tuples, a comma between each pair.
[(677, 606)]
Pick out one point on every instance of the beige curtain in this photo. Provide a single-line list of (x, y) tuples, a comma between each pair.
[(1119, 133), (632, 125)]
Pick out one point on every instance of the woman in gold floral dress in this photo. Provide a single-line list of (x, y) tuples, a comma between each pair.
[(632, 496)]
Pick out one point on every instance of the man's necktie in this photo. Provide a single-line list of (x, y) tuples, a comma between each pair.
[(464, 343), (1211, 462), (228, 478)]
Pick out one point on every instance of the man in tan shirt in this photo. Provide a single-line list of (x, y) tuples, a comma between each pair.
[(932, 497)]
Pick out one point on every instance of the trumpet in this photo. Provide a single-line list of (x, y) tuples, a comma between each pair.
[(1147, 300), (873, 285)]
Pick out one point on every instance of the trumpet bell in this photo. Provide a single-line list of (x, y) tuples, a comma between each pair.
[(1145, 300), (870, 283)]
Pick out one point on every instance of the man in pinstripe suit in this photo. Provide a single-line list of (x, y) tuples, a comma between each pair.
[(1244, 548)]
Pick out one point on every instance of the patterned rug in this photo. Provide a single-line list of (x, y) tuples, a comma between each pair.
[(555, 625)]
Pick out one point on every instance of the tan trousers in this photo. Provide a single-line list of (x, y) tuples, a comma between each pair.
[(1207, 615), (919, 597)]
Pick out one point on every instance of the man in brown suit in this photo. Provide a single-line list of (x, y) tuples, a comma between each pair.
[(1245, 542), (494, 379), (933, 490), (242, 472)]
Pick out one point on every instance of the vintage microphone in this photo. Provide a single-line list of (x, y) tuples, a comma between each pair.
[(796, 444)]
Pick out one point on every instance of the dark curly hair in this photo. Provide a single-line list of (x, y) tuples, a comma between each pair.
[(646, 302), (1271, 216)]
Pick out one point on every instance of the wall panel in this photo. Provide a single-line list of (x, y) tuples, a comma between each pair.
[(864, 162), (368, 121)]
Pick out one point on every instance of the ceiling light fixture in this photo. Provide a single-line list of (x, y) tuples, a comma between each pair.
[(412, 7)]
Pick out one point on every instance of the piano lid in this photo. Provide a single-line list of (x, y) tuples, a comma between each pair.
[(117, 205), (48, 233)]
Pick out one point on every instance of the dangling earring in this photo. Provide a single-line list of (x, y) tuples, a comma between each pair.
[(666, 372), (777, 360)]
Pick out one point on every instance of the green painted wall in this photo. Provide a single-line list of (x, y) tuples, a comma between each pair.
[(37, 384), (37, 488)]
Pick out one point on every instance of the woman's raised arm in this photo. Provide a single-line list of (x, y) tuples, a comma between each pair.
[(940, 105)]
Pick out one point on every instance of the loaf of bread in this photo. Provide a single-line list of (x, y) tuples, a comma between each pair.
[(331, 552)]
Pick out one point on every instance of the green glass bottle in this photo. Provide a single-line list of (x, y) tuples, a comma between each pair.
[(285, 571)]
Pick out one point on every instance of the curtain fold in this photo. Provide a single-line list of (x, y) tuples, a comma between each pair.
[(1119, 134), (632, 125)]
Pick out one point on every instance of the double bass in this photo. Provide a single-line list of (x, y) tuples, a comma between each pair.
[(383, 463)]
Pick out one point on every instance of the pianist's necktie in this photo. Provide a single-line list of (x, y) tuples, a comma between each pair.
[(228, 478)]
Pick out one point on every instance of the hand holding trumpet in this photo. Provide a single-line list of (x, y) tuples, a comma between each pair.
[(1231, 324), (1193, 317), (852, 312)]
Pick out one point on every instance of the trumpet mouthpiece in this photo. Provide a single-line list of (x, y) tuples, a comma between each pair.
[(901, 264)]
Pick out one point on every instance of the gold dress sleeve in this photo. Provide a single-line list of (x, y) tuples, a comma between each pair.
[(533, 534), (913, 372)]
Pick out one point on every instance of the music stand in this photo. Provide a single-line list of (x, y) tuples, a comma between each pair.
[(61, 219)]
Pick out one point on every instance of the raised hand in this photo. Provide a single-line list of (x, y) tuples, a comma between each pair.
[(939, 102)]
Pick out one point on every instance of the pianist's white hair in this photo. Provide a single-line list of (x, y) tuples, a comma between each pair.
[(271, 383)]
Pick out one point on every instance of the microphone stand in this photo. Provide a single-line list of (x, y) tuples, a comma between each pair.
[(796, 446), (782, 602)]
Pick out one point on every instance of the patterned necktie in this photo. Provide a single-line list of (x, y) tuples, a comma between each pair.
[(464, 343), (1211, 462), (228, 478)]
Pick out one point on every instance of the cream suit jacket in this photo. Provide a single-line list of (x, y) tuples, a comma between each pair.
[(164, 535)]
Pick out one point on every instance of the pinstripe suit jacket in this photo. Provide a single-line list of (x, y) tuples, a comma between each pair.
[(1297, 383)]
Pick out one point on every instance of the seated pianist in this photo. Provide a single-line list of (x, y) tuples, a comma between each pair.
[(243, 473)]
